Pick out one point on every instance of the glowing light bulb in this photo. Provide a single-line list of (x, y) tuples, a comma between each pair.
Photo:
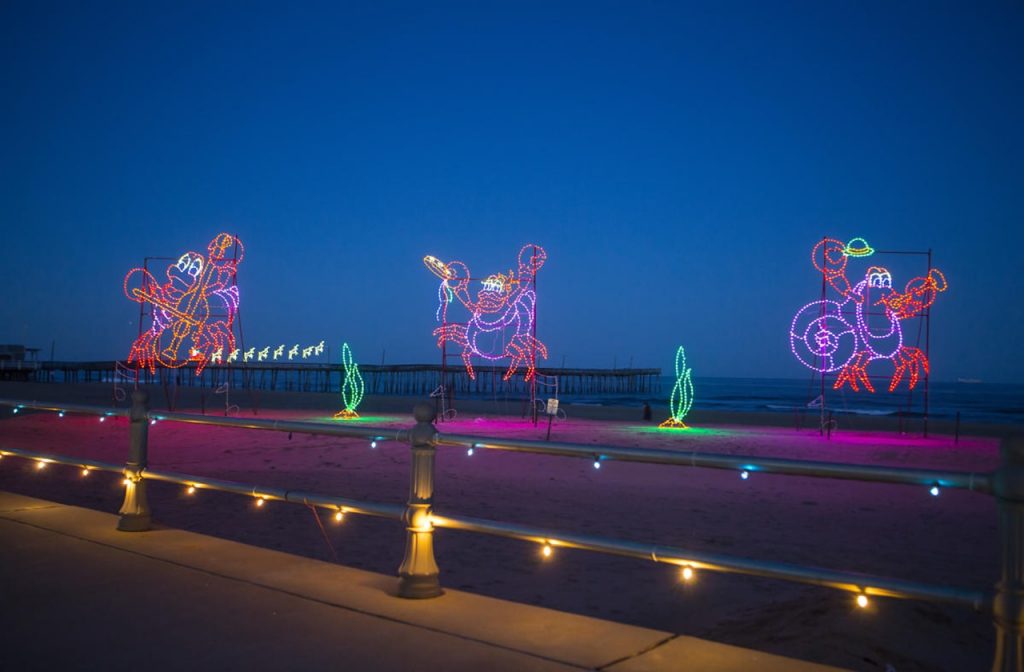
[(339, 516), (469, 451), (260, 501), (546, 551), (373, 444), (597, 464), (744, 474), (60, 414), (103, 418), (85, 472), (16, 410), (934, 490), (190, 490), (862, 601), (125, 482), (153, 421), (687, 573), (40, 465)]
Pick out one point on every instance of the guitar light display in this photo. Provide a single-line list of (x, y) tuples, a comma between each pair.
[(824, 338), (682, 394), (352, 388), (193, 312), (501, 316)]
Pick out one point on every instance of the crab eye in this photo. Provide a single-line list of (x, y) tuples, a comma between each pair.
[(196, 268), (183, 263)]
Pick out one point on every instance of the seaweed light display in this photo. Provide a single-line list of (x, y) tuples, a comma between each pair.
[(185, 327), (505, 302), (825, 339), (682, 394), (352, 388)]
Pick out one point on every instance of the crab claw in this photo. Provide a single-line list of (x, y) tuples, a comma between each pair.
[(907, 358), (855, 374)]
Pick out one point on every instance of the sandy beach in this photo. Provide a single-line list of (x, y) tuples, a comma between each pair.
[(892, 531)]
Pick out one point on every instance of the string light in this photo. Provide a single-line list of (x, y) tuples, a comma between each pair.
[(744, 474), (152, 421), (40, 465), (546, 550), (862, 601), (504, 302), (181, 307), (934, 490), (687, 573), (16, 409), (822, 339), (682, 393), (125, 482), (260, 501), (353, 388), (60, 414), (373, 443), (469, 451), (85, 471), (339, 516), (190, 490)]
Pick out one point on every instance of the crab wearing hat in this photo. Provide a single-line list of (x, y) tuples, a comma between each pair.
[(505, 302), (823, 338)]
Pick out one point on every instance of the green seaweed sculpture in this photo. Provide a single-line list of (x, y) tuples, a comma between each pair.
[(352, 388), (682, 394)]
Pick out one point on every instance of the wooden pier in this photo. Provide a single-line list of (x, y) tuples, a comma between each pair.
[(392, 379)]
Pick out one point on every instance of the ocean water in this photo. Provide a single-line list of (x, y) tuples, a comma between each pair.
[(976, 402)]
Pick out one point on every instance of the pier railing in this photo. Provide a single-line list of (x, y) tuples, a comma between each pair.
[(419, 573)]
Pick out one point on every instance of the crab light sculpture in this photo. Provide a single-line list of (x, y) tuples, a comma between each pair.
[(824, 339), (193, 311), (682, 394), (352, 388), (504, 303)]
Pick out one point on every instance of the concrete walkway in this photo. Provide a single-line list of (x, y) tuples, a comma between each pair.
[(77, 594)]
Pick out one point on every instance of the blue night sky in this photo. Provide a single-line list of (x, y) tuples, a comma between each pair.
[(677, 161)]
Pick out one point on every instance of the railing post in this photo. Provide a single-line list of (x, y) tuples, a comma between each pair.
[(418, 575), (135, 514), (1008, 605)]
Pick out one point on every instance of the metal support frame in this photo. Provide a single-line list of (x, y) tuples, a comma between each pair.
[(924, 322)]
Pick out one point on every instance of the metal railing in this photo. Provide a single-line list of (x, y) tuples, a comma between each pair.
[(419, 573)]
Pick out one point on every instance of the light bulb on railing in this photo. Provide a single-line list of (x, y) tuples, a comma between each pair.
[(934, 490), (85, 471), (152, 421), (546, 551), (103, 418), (16, 410), (190, 490), (469, 451), (687, 573), (862, 601), (260, 501), (744, 474), (40, 465), (60, 414), (373, 443), (339, 516)]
